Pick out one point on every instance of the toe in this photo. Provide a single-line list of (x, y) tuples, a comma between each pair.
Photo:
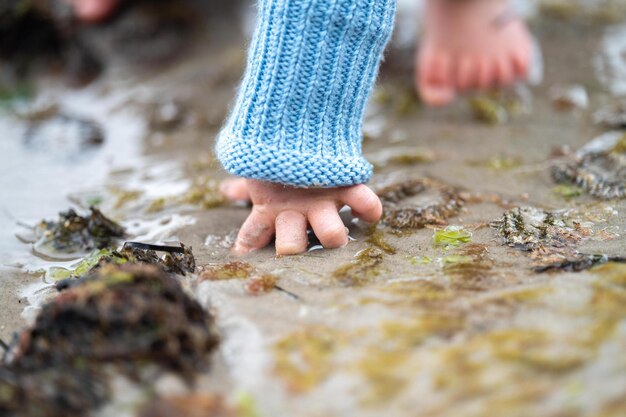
[(256, 232), (466, 73), (291, 236), (521, 63), (504, 74), (485, 73), (437, 96), (328, 226), (435, 83), (235, 189)]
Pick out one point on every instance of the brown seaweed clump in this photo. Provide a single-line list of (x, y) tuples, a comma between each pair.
[(261, 284), (365, 267), (402, 208), (74, 233), (126, 317), (599, 168), (497, 107), (228, 271), (473, 269)]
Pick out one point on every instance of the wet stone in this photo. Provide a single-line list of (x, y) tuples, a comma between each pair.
[(417, 203), (599, 167), (57, 367)]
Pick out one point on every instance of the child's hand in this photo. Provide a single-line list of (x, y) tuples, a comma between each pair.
[(287, 211)]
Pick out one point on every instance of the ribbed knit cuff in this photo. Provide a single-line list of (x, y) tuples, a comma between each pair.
[(298, 115)]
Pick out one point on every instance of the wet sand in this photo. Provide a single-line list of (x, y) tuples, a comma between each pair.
[(390, 345)]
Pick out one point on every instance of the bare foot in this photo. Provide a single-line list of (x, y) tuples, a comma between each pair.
[(286, 212), (474, 44), (93, 11)]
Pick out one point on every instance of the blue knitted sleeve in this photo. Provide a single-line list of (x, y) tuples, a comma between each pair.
[(298, 115)]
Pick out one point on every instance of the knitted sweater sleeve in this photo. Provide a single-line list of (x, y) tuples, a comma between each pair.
[(298, 115)]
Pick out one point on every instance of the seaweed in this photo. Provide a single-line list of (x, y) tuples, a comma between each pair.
[(227, 271), (204, 193), (376, 237), (567, 191), (452, 236), (470, 269), (363, 269), (121, 316), (246, 405), (73, 233), (261, 284), (400, 213), (51, 392), (303, 359), (488, 110), (383, 370), (497, 107), (603, 12), (420, 291), (498, 162), (612, 273)]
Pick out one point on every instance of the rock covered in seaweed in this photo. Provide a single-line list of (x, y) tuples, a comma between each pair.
[(599, 167), (73, 233), (531, 228), (612, 115), (127, 317)]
